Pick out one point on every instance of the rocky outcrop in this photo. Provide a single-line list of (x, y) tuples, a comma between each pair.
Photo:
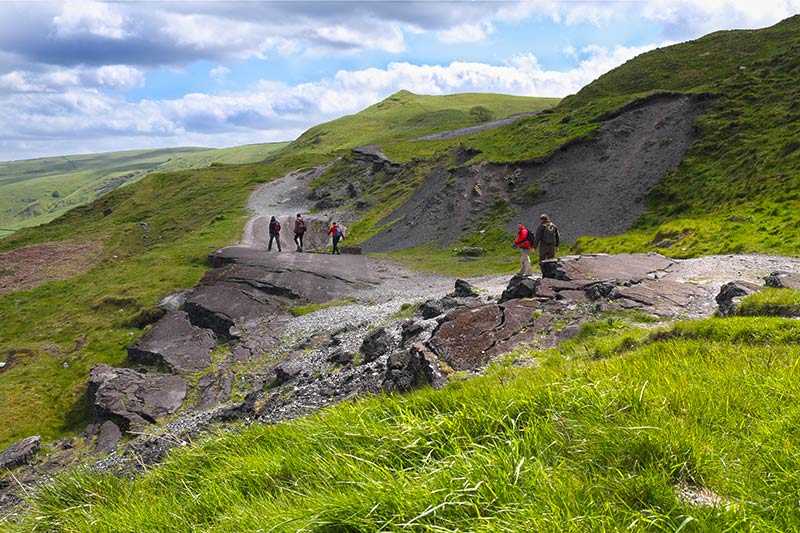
[(470, 338), (463, 289), (108, 436), (20, 453), (378, 343), (519, 287), (214, 389), (132, 399), (731, 294), (411, 368), (783, 280), (175, 344)]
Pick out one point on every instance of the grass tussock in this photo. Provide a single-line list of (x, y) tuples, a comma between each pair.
[(575, 444), (771, 302)]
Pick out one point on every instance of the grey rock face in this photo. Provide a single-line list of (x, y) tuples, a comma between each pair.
[(412, 368), (519, 287), (176, 344), (214, 389), (20, 452), (131, 398), (783, 280), (376, 344), (731, 294), (464, 289), (108, 435)]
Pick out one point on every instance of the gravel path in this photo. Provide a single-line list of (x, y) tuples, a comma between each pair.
[(493, 124)]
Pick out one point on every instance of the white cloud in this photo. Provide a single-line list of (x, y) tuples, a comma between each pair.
[(94, 18), (269, 110), (466, 33), (219, 72)]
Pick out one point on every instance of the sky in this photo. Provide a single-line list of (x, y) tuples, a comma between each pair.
[(88, 76)]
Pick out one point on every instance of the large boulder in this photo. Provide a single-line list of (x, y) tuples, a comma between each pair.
[(436, 307), (783, 280), (132, 399), (731, 294), (20, 453), (175, 344), (463, 289), (519, 287), (472, 337), (412, 368), (376, 344)]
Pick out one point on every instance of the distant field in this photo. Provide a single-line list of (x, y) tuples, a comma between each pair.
[(36, 191)]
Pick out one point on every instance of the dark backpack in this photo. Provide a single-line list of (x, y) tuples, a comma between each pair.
[(549, 234)]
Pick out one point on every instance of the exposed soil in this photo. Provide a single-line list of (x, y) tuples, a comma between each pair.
[(590, 187), (31, 266)]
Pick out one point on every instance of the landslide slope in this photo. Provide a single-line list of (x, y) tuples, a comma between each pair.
[(686, 150)]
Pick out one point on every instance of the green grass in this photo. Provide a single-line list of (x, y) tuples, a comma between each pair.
[(307, 309), (35, 191), (771, 302), (578, 443), (86, 320), (395, 122)]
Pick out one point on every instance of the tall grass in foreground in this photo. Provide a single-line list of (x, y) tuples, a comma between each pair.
[(576, 444)]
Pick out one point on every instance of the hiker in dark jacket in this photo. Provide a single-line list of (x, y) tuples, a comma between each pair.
[(299, 231), (546, 239), (523, 243), (274, 233), (336, 233)]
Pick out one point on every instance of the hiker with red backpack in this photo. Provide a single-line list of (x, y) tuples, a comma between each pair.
[(337, 234), (274, 233), (524, 243), (299, 231), (546, 239)]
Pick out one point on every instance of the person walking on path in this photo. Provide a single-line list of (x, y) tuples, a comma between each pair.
[(523, 243), (546, 239), (337, 234), (299, 231), (274, 233)]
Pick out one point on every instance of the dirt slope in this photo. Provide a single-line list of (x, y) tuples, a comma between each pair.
[(591, 187)]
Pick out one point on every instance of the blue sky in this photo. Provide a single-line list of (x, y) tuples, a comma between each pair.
[(90, 76)]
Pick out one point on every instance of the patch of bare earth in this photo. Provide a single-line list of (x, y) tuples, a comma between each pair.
[(31, 266)]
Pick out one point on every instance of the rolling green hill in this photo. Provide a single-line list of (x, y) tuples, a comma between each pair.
[(36, 191), (598, 436)]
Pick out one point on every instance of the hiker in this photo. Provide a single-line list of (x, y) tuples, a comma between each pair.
[(299, 231), (523, 243), (546, 239), (336, 232), (274, 233)]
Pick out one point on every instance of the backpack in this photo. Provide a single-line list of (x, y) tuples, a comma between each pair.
[(549, 232), (300, 226), (338, 232), (530, 238)]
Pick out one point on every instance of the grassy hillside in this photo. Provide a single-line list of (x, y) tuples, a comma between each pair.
[(36, 191), (89, 319), (738, 189), (406, 116), (603, 435), (52, 335)]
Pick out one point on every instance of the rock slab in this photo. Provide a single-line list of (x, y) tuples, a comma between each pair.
[(20, 453), (132, 399), (176, 344)]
